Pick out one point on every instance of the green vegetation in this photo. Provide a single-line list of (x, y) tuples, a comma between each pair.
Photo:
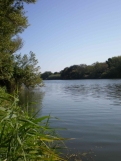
[(50, 76), (109, 69), (26, 71), (15, 69), (24, 137), (45, 75), (54, 76)]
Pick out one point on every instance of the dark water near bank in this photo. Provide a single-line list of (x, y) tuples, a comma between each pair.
[(91, 112)]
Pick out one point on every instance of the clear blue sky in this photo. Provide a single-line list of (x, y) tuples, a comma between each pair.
[(69, 32)]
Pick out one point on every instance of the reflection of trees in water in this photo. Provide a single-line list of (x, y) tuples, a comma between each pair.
[(31, 99)]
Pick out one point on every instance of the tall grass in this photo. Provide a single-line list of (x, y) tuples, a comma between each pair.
[(24, 137)]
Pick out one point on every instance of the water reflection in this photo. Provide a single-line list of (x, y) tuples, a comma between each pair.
[(31, 100)]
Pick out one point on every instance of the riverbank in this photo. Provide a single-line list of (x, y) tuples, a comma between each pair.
[(23, 136)]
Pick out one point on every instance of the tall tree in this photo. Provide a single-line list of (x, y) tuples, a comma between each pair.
[(12, 22)]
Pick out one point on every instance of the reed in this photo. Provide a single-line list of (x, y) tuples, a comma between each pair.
[(24, 137)]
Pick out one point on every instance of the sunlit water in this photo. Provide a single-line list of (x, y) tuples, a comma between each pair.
[(91, 112)]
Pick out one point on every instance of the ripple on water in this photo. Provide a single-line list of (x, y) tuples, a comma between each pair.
[(91, 112)]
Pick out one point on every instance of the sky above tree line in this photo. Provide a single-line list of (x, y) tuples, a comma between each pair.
[(72, 32)]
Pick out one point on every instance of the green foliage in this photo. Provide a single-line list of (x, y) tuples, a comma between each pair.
[(46, 74), (83, 71), (6, 67), (97, 69), (26, 70), (12, 22), (54, 76), (21, 69), (73, 72), (114, 67), (109, 69), (50, 76), (24, 137)]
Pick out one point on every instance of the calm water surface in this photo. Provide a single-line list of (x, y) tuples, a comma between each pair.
[(91, 112)]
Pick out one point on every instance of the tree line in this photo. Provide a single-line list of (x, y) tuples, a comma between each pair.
[(15, 69), (109, 69)]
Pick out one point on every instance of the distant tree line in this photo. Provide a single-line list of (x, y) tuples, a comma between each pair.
[(109, 69), (50, 76)]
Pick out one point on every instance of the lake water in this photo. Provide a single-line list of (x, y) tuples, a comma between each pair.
[(91, 112)]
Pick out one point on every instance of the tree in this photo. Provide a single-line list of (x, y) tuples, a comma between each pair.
[(73, 72), (6, 67), (46, 74), (114, 67), (25, 71), (98, 70), (12, 22)]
